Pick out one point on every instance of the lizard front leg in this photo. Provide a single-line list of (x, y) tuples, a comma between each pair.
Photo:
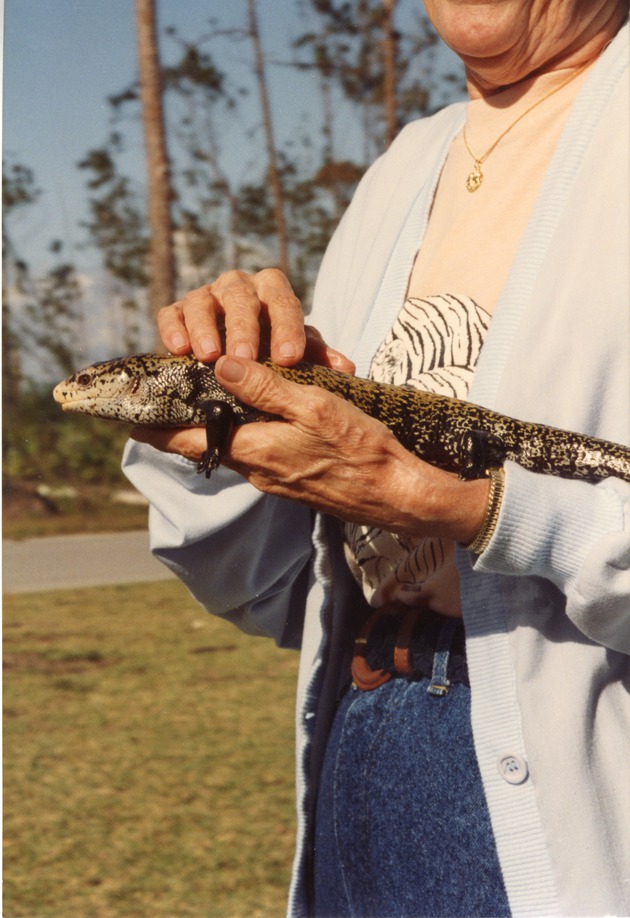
[(480, 451), (219, 423)]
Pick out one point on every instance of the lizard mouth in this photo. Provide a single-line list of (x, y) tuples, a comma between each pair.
[(72, 406), (72, 403), (79, 404)]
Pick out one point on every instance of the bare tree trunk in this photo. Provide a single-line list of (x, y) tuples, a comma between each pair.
[(328, 125), (274, 172), (389, 71), (161, 259)]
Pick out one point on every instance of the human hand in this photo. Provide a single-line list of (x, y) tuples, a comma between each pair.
[(331, 456), (239, 306)]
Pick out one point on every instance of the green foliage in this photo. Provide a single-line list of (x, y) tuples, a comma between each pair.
[(18, 190), (41, 443), (200, 103), (255, 210), (118, 220), (53, 319), (47, 326), (346, 47), (18, 187), (195, 69)]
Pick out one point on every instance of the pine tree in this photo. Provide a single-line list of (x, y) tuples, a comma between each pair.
[(161, 259)]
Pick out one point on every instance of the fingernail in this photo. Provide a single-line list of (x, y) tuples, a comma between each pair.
[(287, 350), (244, 350), (231, 370), (208, 346), (178, 341), (339, 362)]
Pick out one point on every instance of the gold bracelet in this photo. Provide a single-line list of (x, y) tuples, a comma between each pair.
[(495, 499)]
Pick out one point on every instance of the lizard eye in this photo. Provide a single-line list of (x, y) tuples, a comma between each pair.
[(84, 379)]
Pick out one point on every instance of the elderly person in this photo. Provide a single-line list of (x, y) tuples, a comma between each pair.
[(476, 763)]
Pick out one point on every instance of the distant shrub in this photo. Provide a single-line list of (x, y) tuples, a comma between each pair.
[(42, 443)]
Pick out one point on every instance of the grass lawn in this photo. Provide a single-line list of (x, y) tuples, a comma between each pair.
[(148, 759)]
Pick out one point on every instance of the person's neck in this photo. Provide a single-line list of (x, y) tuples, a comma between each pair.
[(487, 78)]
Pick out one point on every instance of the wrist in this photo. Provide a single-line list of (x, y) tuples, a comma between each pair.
[(480, 542), (469, 506), (440, 504)]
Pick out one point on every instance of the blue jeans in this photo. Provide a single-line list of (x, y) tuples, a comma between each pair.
[(402, 825)]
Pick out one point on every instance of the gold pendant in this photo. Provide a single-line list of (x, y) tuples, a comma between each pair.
[(475, 178)]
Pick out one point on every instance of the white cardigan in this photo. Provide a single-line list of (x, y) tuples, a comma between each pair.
[(547, 606)]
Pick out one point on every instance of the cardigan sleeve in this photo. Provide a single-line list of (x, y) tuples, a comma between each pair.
[(243, 555), (575, 534)]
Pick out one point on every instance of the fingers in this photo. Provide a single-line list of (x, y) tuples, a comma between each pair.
[(194, 323), (172, 328), (240, 303), (317, 351), (189, 442), (234, 307), (253, 384), (285, 316), (265, 298), (230, 314), (258, 385)]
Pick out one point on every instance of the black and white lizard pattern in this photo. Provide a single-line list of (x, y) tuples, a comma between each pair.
[(166, 391), (433, 345)]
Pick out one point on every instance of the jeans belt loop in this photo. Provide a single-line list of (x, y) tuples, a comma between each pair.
[(375, 662), (440, 684)]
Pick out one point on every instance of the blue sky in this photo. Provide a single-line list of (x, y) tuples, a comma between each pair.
[(63, 58)]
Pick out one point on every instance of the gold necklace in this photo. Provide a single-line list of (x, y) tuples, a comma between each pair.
[(474, 180)]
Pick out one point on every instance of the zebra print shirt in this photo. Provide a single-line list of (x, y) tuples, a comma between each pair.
[(434, 345)]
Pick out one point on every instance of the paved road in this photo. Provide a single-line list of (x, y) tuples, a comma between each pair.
[(70, 561)]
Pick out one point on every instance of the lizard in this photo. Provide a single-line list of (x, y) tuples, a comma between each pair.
[(162, 390)]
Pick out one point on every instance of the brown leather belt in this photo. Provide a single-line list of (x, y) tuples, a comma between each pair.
[(415, 643)]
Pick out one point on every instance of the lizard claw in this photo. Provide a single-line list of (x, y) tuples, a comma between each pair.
[(210, 460)]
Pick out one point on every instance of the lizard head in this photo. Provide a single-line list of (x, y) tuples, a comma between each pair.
[(143, 389)]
